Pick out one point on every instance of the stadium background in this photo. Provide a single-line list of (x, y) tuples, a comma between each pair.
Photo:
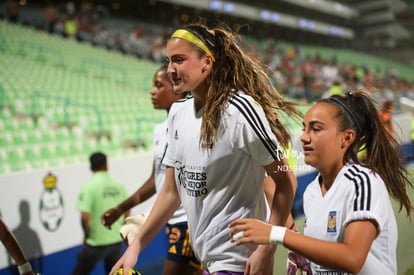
[(64, 95)]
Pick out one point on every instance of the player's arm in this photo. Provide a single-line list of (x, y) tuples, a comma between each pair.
[(85, 225), (164, 207), (348, 256), (141, 195), (269, 187), (261, 261), (284, 193), (14, 249)]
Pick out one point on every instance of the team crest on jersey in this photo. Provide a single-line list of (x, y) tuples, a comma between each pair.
[(331, 228)]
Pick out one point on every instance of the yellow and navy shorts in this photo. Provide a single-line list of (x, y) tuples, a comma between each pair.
[(180, 249)]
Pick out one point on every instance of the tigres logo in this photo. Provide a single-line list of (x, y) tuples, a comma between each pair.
[(331, 222)]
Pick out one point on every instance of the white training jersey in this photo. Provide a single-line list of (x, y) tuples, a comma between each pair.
[(357, 194), (160, 146), (219, 185)]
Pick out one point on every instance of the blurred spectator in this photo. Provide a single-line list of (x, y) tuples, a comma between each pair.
[(279, 79), (409, 91), (85, 26), (70, 28), (367, 76), (336, 88), (158, 50), (85, 7), (307, 75), (291, 53), (70, 8), (137, 44), (386, 116), (101, 37), (12, 11), (329, 72), (52, 16)]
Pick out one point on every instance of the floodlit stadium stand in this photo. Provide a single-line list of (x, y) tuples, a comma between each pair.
[(62, 99)]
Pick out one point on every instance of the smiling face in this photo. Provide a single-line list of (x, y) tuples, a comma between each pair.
[(162, 93), (187, 69), (324, 144)]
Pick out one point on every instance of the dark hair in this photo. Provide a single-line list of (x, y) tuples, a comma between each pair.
[(358, 111), (98, 161)]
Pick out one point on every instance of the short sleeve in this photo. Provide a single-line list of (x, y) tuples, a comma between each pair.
[(253, 133), (84, 200), (370, 200)]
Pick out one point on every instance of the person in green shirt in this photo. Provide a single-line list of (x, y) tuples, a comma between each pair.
[(99, 193)]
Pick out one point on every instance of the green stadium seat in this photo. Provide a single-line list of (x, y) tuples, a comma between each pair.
[(15, 157), (6, 139), (3, 155)]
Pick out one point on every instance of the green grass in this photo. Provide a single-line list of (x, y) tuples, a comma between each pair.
[(405, 248), (410, 271)]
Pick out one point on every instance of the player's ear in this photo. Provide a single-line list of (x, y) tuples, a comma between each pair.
[(348, 138), (207, 63)]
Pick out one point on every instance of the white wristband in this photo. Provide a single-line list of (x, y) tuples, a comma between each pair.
[(24, 268), (277, 234)]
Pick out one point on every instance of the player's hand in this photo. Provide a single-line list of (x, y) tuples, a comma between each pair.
[(110, 216), (250, 231), (128, 259), (261, 261)]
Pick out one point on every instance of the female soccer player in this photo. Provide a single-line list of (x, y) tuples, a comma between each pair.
[(221, 142), (350, 227), (180, 257)]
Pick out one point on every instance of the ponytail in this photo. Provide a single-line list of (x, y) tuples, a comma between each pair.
[(357, 111)]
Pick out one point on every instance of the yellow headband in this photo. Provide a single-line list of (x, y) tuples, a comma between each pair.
[(193, 39)]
